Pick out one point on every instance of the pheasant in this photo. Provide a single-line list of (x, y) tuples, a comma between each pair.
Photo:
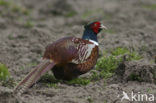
[(68, 57)]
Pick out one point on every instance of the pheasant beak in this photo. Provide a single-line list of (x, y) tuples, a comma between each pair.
[(103, 27)]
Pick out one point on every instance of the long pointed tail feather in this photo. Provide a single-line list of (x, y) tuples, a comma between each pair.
[(34, 76)]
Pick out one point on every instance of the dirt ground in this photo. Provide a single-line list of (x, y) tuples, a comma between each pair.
[(27, 26)]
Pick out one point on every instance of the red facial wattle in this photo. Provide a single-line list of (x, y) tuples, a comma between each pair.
[(96, 26)]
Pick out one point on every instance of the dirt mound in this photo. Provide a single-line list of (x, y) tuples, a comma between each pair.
[(137, 71)]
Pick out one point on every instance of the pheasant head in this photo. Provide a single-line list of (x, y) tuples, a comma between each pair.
[(92, 29)]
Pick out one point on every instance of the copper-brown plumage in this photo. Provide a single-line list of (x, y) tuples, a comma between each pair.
[(63, 56), (68, 57)]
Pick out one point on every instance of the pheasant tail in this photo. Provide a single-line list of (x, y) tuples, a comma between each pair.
[(34, 76)]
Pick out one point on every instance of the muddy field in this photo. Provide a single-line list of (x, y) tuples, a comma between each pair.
[(27, 26)]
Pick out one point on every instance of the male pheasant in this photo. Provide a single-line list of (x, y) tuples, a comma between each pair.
[(68, 57)]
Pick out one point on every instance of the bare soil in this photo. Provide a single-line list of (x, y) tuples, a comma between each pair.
[(23, 38)]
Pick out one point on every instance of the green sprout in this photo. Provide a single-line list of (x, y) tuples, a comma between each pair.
[(4, 73)]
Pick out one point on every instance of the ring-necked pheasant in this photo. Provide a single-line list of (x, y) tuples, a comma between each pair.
[(68, 57)]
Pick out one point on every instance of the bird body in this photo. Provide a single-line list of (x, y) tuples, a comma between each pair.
[(74, 56), (67, 57)]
